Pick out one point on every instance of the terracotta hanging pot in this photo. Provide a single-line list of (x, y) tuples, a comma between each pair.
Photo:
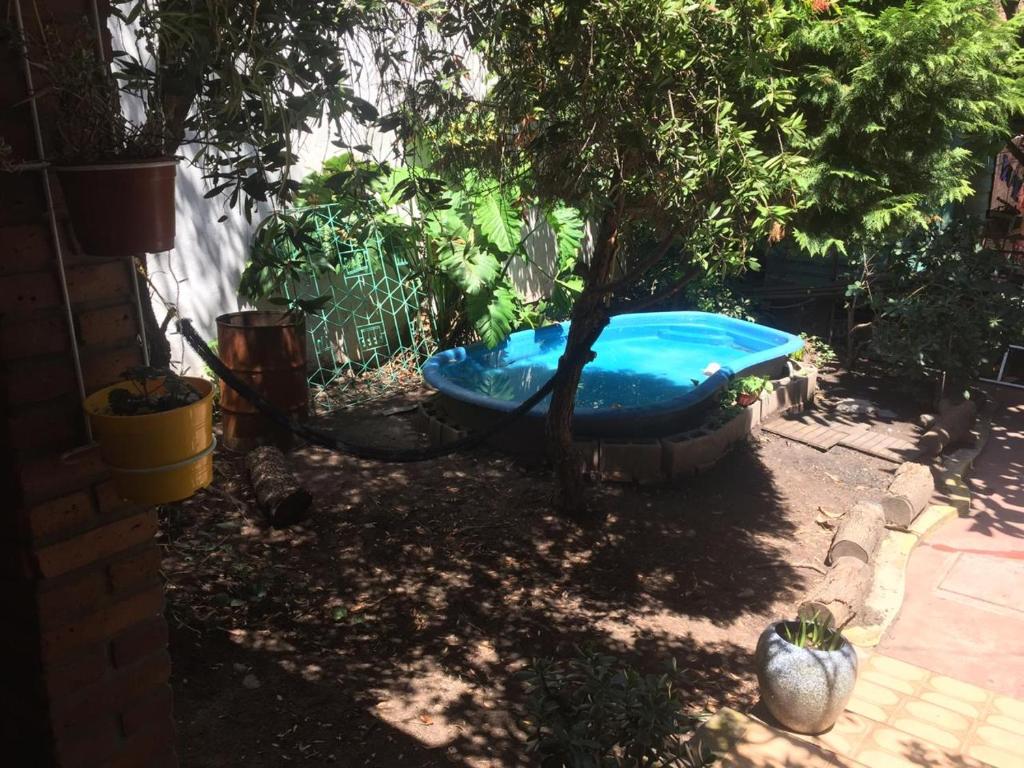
[(122, 208), (746, 399), (268, 351)]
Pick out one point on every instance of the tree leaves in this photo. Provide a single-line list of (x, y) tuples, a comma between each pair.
[(497, 219), (472, 269), (492, 313), (904, 103), (458, 236), (567, 224)]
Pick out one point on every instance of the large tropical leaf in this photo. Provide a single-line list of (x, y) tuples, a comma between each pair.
[(395, 187), (563, 295), (568, 227), (444, 224), (472, 269), (492, 313), (497, 219)]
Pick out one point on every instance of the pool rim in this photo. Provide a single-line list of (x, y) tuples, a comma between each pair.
[(764, 361)]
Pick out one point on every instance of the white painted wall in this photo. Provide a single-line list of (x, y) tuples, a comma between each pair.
[(200, 276)]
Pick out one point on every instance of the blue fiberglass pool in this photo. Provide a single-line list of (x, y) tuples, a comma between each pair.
[(652, 375)]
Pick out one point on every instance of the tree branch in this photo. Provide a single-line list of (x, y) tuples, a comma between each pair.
[(642, 304), (631, 277)]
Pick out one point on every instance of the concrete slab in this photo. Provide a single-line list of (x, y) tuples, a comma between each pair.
[(987, 580)]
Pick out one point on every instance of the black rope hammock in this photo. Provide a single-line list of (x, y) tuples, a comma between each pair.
[(333, 442)]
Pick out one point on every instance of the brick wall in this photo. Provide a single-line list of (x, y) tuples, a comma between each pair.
[(84, 671)]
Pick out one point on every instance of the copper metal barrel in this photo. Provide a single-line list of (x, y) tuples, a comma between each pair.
[(268, 350)]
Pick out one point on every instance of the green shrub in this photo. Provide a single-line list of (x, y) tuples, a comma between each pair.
[(591, 712), (747, 385), (815, 351), (710, 293), (945, 307), (459, 235)]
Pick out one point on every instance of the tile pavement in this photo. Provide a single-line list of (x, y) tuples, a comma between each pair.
[(900, 716), (967, 577), (962, 618)]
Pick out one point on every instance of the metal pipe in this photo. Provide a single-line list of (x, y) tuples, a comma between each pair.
[(138, 311), (22, 167), (1002, 369), (54, 229), (100, 53), (132, 262)]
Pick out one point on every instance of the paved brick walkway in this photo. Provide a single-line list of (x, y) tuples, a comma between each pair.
[(900, 716), (963, 613), (946, 685)]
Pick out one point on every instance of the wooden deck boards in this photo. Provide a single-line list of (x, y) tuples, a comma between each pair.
[(820, 433)]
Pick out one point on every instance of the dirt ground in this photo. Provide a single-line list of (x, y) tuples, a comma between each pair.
[(388, 629)]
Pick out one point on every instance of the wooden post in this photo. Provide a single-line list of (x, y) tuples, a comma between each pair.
[(909, 493), (277, 491), (840, 596), (952, 426), (859, 533)]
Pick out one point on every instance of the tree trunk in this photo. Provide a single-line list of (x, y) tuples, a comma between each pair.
[(851, 345), (156, 339), (277, 491), (909, 493), (859, 533), (840, 596), (589, 317)]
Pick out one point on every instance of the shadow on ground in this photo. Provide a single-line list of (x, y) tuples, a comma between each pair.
[(389, 629), (997, 487)]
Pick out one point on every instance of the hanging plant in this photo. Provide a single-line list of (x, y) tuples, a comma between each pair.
[(155, 432), (116, 173)]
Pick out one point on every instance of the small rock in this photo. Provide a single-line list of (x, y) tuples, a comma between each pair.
[(926, 420), (251, 682), (239, 667), (857, 406)]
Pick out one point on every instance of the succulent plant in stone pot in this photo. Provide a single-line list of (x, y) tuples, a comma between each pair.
[(806, 671)]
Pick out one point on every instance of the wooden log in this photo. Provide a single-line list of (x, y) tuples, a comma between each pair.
[(951, 427), (840, 595), (278, 493), (909, 492), (858, 534)]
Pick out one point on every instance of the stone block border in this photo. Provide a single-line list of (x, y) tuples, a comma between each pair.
[(884, 598), (657, 460)]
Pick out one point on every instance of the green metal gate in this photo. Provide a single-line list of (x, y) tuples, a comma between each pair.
[(373, 334)]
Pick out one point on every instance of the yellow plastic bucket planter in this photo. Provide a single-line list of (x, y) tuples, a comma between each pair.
[(156, 458)]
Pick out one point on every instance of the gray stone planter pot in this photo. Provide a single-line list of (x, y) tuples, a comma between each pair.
[(804, 689)]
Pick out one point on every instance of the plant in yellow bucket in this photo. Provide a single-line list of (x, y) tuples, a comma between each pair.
[(155, 431)]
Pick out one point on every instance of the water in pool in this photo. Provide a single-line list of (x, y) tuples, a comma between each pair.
[(634, 365)]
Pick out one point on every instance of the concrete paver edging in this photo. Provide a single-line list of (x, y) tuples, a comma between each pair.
[(662, 459), (885, 598)]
